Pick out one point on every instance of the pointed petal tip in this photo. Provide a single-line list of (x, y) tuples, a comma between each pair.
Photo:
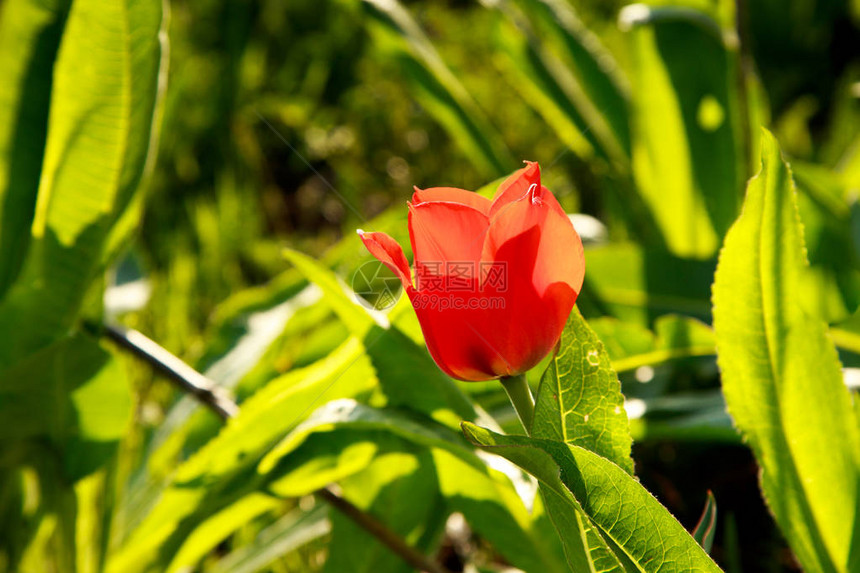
[(359, 232)]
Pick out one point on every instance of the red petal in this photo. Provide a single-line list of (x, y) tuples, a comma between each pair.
[(390, 253), (452, 195), (515, 186), (444, 232), (456, 336), (537, 245)]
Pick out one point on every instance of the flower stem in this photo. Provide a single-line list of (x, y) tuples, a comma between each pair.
[(521, 397)]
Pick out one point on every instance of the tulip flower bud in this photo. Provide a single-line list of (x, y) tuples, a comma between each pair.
[(495, 281)]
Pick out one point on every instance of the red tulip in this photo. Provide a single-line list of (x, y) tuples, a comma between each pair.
[(495, 280)]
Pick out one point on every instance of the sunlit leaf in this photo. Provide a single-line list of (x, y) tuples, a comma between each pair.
[(625, 514), (388, 489), (30, 35), (484, 496), (210, 533), (688, 149), (638, 284), (579, 401), (781, 375), (285, 535), (98, 149)]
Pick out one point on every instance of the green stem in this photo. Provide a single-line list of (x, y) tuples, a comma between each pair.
[(520, 394)]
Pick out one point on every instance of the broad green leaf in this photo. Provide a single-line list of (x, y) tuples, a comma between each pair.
[(625, 514), (584, 547), (320, 456), (237, 499), (73, 393), (100, 133), (638, 285), (188, 425), (437, 88), (781, 375), (30, 35), (579, 400), (687, 160), (284, 536)]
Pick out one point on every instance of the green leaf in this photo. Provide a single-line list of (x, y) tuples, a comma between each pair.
[(407, 375), (284, 536), (781, 375), (73, 393), (707, 527), (562, 69), (322, 458), (579, 400), (832, 281), (346, 411), (630, 346), (484, 496), (585, 548), (388, 489), (437, 88), (687, 162), (205, 537), (100, 134), (623, 512), (221, 472), (30, 35), (337, 295), (495, 511), (638, 285)]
